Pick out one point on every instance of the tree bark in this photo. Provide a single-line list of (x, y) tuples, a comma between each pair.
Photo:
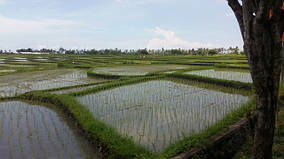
[(282, 65), (265, 71), (261, 28)]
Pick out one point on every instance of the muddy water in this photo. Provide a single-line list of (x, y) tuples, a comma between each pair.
[(158, 113), (33, 131), (19, 83)]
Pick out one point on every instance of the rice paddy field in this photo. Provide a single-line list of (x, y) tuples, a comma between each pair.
[(144, 113), (34, 131), (11, 85), (136, 70), (242, 76), (158, 113)]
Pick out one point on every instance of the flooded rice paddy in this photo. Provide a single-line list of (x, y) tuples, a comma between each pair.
[(137, 70), (161, 112), (15, 65), (20, 59), (4, 71), (11, 85), (227, 75), (33, 131)]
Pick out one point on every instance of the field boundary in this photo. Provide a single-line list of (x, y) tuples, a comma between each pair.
[(75, 86)]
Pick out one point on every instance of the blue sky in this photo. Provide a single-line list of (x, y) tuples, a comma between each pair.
[(124, 24)]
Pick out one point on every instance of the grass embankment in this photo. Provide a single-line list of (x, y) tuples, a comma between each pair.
[(8, 98), (90, 73), (76, 86)]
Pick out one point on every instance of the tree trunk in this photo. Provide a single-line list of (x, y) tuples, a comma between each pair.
[(267, 98), (264, 128), (282, 65), (261, 28), (264, 60)]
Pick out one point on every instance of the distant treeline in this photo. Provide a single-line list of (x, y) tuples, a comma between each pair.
[(200, 51)]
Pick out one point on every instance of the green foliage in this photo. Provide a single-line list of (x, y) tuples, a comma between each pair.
[(142, 51)]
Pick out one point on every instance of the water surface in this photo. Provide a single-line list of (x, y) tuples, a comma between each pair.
[(33, 131)]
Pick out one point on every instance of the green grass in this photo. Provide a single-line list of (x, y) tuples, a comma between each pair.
[(76, 86)]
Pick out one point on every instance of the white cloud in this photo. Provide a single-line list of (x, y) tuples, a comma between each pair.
[(11, 26), (229, 14), (170, 40)]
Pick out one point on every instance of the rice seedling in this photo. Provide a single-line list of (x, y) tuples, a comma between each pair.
[(227, 75), (136, 70), (32, 131), (158, 113), (42, 81)]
